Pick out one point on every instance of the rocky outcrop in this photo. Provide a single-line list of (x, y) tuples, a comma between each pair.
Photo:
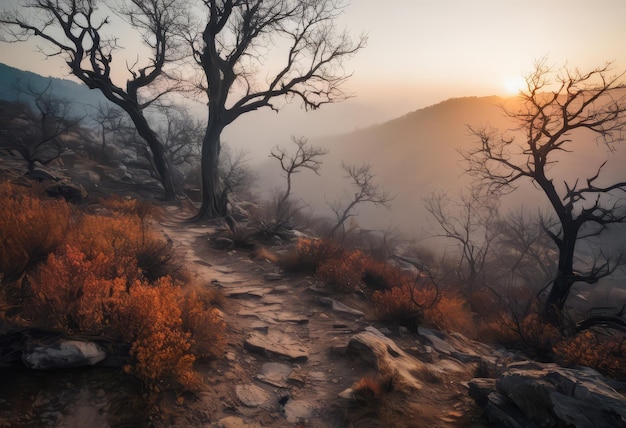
[(383, 354), (531, 394)]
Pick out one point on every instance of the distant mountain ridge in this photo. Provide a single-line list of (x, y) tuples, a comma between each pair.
[(81, 98)]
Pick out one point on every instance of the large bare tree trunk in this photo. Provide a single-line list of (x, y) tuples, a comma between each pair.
[(214, 199), (161, 161)]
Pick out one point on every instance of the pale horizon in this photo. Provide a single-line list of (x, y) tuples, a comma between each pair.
[(418, 54)]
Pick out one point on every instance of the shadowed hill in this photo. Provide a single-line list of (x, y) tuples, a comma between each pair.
[(418, 153), (411, 156), (77, 94)]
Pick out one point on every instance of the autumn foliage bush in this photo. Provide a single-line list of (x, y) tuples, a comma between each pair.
[(603, 352), (102, 278), (30, 227)]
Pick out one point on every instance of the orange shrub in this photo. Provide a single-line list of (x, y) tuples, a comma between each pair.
[(607, 354), (309, 254), (71, 293), (405, 302), (206, 325), (343, 273), (152, 322), (116, 239), (30, 228), (379, 275), (368, 391), (451, 312), (134, 251), (129, 206)]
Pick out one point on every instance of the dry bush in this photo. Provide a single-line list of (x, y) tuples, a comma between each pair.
[(130, 206), (108, 277), (30, 228), (160, 347), (343, 274), (309, 254), (378, 275), (134, 251), (404, 304), (368, 391), (205, 323), (71, 293), (602, 352), (451, 312)]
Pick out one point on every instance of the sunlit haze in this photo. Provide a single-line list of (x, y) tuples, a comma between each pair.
[(423, 52)]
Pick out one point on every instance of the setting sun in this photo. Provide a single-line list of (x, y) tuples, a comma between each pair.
[(513, 85)]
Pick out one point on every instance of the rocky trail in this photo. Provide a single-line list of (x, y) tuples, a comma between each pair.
[(294, 352)]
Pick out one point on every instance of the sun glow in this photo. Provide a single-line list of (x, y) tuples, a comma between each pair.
[(514, 84)]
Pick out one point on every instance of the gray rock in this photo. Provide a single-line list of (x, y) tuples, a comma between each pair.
[(275, 374), (535, 394), (222, 243), (277, 345), (63, 354), (273, 276), (252, 395), (383, 354), (338, 306)]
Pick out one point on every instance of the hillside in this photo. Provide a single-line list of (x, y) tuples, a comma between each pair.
[(418, 153), (78, 95)]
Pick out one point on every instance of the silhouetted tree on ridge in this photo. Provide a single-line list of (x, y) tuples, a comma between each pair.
[(550, 120)]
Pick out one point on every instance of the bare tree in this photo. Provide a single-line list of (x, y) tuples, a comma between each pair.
[(74, 30), (525, 253), (240, 44), (306, 156), (580, 104), (235, 174), (471, 222), (111, 119), (367, 191), (37, 133), (182, 135)]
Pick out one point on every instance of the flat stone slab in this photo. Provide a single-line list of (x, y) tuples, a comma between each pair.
[(278, 345), (272, 314), (252, 396), (275, 374), (297, 410), (339, 307), (244, 293)]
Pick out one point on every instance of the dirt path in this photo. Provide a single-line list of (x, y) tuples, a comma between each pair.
[(279, 369), (284, 364)]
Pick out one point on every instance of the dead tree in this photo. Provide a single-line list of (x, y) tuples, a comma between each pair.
[(75, 29), (559, 108), (37, 133), (472, 223), (367, 191), (306, 156), (254, 53)]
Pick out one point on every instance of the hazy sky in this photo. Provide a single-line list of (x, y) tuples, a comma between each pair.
[(421, 52)]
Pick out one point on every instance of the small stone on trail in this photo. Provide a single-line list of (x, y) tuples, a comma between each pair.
[(252, 395), (273, 276)]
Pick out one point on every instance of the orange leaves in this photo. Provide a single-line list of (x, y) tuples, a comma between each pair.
[(605, 354), (107, 275), (343, 273), (30, 228)]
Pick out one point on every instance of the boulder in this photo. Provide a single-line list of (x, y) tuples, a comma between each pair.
[(536, 394), (383, 354), (63, 354)]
